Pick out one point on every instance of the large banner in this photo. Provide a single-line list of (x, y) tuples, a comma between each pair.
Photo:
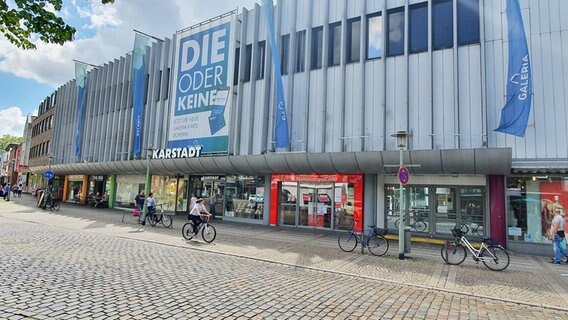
[(81, 83), (138, 78), (200, 110), (281, 134), (515, 113)]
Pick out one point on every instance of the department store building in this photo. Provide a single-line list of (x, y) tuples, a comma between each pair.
[(209, 119)]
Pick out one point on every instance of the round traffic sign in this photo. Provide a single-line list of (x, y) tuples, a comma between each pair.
[(48, 175), (403, 175)]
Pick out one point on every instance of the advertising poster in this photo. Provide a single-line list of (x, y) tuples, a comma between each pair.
[(554, 196), (201, 91)]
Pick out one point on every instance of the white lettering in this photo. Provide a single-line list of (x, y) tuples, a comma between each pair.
[(186, 47), (217, 45)]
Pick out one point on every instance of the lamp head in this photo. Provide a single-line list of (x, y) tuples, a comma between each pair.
[(401, 138)]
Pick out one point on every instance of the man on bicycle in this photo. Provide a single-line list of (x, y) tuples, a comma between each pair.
[(196, 213)]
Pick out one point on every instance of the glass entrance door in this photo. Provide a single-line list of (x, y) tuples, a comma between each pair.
[(316, 205)]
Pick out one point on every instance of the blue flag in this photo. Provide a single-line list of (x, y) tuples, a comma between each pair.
[(281, 136), (81, 83), (138, 80), (515, 113)]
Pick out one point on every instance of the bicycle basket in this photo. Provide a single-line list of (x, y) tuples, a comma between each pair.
[(381, 231)]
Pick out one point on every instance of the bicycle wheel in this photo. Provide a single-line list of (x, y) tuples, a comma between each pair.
[(208, 233), (152, 219), (420, 226), (495, 258), (347, 241), (453, 253), (55, 206), (167, 221), (378, 245), (187, 231)]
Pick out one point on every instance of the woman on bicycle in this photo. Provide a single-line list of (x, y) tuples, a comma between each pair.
[(195, 214)]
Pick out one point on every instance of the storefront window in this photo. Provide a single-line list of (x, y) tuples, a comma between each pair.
[(531, 203), (168, 191), (436, 210), (244, 197), (74, 189), (127, 187), (323, 201)]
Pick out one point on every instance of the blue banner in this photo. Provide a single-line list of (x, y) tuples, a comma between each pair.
[(281, 135), (515, 113), (202, 93), (138, 79), (81, 83)]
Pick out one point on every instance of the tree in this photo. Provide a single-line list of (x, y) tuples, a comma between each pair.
[(7, 139), (35, 17)]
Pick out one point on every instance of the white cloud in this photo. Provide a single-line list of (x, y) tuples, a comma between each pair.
[(13, 121), (53, 64)]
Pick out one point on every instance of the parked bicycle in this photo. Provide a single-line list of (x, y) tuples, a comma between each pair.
[(373, 239), (154, 217), (208, 232), (491, 253), (47, 202), (417, 224)]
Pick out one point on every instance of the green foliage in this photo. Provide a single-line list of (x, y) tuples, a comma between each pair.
[(32, 17), (7, 139)]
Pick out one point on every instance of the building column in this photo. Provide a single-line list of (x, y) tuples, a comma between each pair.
[(497, 214), (112, 191)]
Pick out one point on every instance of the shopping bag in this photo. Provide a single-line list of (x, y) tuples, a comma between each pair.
[(136, 212)]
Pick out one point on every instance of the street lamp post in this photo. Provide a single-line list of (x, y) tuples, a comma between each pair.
[(147, 186), (401, 139), (50, 158)]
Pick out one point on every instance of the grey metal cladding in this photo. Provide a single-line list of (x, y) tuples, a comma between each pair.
[(241, 164), (429, 161), (370, 162), (344, 162), (258, 163), (321, 163), (277, 163), (458, 161), (209, 164), (493, 160), (298, 162), (224, 164)]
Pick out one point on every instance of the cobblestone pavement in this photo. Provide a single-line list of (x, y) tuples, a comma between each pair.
[(84, 263)]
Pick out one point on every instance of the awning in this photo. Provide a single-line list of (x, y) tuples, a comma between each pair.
[(486, 161)]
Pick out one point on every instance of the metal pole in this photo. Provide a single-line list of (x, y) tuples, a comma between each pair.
[(147, 186), (402, 223)]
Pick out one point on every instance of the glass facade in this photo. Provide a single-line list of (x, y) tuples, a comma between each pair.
[(127, 187), (74, 188), (232, 197), (374, 36), (531, 205), (435, 210), (317, 203)]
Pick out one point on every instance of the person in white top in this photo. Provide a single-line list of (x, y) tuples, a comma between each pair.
[(195, 214), (557, 236)]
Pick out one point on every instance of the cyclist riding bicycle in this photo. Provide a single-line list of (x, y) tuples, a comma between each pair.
[(196, 213)]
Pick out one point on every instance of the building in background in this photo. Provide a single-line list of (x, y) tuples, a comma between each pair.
[(352, 74)]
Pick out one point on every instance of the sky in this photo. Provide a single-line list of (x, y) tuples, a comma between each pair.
[(104, 32)]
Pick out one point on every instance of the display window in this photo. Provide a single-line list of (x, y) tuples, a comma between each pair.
[(74, 188), (436, 210), (127, 187), (236, 197), (317, 201), (169, 192), (532, 203)]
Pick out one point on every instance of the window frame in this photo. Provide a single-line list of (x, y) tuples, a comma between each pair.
[(350, 40), (334, 45), (316, 56), (390, 12)]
